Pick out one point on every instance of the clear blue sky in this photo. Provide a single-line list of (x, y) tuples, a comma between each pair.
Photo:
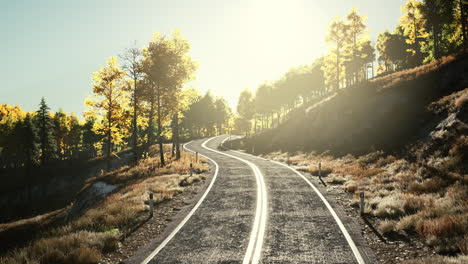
[(50, 48)]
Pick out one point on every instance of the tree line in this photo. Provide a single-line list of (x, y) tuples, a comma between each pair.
[(427, 31), (133, 106)]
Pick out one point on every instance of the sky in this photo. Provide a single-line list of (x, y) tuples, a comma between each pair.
[(50, 48)]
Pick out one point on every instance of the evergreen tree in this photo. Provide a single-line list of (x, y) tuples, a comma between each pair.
[(90, 138), (45, 128)]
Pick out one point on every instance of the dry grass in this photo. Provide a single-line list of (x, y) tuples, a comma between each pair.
[(97, 231), (75, 248), (387, 226), (411, 74), (439, 260), (450, 102), (402, 195)]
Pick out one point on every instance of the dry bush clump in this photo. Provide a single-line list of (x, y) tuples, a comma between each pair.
[(387, 226), (336, 178)]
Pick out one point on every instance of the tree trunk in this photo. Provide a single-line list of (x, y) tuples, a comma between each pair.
[(173, 136), (161, 150), (109, 139), (463, 23), (150, 124), (337, 67), (177, 139), (134, 132), (255, 124)]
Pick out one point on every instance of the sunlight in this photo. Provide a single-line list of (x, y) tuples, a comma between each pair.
[(279, 34)]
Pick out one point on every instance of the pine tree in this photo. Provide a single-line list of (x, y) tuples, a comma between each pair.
[(337, 35), (27, 144), (45, 128)]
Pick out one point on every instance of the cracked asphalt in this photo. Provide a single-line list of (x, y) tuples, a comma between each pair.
[(299, 227)]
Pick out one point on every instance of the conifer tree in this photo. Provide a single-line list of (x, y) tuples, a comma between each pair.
[(45, 128)]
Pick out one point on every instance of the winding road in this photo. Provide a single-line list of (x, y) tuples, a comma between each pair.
[(255, 211)]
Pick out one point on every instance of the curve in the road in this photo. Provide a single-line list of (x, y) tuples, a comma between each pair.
[(182, 223), (345, 232), (255, 245)]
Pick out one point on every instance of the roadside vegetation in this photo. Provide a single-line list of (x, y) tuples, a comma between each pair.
[(100, 228), (420, 192)]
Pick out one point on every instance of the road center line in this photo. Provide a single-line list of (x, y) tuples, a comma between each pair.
[(350, 241), (176, 230), (254, 248)]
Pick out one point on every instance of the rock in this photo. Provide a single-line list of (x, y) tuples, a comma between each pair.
[(89, 197)]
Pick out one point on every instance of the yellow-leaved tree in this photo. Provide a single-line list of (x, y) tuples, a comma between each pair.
[(412, 22), (167, 67), (110, 106)]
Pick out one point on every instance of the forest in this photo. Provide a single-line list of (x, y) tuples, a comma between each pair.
[(427, 31), (132, 106)]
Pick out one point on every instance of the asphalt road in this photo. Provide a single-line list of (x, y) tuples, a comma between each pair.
[(255, 211)]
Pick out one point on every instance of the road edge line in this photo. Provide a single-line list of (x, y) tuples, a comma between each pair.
[(189, 215), (255, 246), (343, 229)]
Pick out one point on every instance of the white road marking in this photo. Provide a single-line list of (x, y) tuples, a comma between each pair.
[(174, 232), (350, 241), (254, 248)]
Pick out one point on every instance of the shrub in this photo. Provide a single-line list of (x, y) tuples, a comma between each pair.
[(387, 226), (336, 179), (390, 207)]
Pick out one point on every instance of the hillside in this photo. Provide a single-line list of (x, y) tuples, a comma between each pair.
[(385, 114), (402, 140)]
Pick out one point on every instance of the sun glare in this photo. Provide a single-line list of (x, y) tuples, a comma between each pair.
[(279, 33)]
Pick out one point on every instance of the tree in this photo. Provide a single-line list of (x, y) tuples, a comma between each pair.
[(245, 108), (366, 56), (263, 103), (444, 36), (60, 132), (356, 27), (45, 127), (110, 105), (336, 37), (90, 137), (222, 114), (9, 118), (73, 138), (132, 58), (463, 6), (26, 140), (412, 23), (183, 71), (392, 50), (167, 67)]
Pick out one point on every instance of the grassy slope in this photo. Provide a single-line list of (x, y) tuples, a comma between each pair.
[(98, 230), (408, 136)]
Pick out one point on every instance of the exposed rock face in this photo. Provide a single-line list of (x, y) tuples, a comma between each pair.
[(89, 197)]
